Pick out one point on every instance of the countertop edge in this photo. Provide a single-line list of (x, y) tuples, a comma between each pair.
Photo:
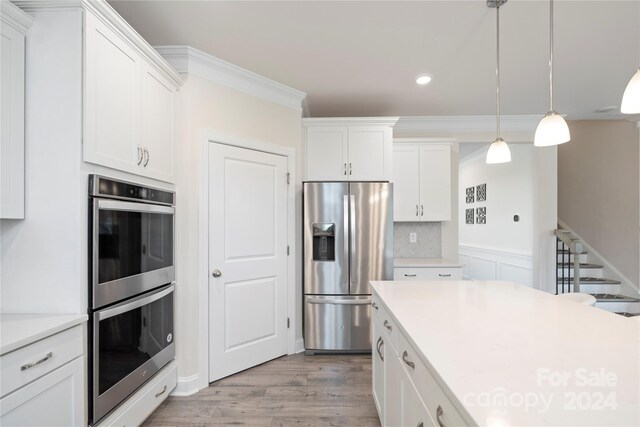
[(40, 333)]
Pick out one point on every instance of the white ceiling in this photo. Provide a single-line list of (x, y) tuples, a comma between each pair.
[(360, 58)]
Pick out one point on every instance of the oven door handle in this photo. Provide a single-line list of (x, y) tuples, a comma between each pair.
[(115, 205), (134, 303)]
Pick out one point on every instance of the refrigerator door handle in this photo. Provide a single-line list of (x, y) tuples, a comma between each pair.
[(352, 235), (364, 301), (345, 234)]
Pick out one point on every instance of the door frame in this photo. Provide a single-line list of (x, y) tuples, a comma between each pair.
[(206, 137)]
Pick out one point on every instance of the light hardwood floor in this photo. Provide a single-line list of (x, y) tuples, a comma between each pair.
[(293, 390)]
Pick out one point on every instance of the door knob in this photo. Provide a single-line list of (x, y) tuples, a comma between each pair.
[(216, 273)]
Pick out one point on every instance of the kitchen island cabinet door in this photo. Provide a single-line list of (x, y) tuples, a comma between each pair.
[(411, 410), (112, 98)]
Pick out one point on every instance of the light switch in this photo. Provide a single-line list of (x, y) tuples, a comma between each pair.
[(413, 237)]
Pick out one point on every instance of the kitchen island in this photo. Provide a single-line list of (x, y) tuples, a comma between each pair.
[(501, 354)]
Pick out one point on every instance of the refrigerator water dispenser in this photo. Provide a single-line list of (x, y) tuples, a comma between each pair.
[(324, 242)]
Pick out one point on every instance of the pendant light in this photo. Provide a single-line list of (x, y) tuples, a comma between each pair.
[(552, 129), (498, 150), (631, 98)]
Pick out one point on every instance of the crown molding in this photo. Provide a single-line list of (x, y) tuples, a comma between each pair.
[(15, 17), (464, 124), (342, 121), (188, 60), (109, 16)]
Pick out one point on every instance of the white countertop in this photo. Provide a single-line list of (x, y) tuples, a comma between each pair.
[(487, 341), (18, 330), (425, 262)]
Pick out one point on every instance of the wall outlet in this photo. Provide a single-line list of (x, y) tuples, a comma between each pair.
[(413, 237)]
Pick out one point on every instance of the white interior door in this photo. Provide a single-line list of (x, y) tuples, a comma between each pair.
[(248, 247)]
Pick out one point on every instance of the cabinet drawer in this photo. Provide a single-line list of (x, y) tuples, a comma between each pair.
[(384, 322), (35, 360), (426, 273), (427, 387), (142, 403)]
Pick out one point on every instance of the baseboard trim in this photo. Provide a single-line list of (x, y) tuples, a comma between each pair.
[(186, 386), (299, 346)]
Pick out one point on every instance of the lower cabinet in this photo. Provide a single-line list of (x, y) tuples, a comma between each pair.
[(405, 392), (57, 399), (43, 383), (427, 273)]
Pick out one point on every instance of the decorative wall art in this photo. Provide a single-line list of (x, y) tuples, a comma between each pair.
[(481, 192), (470, 196), (481, 215), (469, 216)]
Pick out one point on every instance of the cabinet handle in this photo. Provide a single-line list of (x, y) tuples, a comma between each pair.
[(416, 210), (140, 155), (387, 325), (410, 275), (378, 347), (444, 275), (148, 157), (349, 168), (160, 393), (37, 362), (345, 168), (374, 305), (439, 413), (405, 359), (421, 210)]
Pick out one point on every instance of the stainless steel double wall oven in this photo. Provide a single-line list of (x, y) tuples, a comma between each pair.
[(131, 291)]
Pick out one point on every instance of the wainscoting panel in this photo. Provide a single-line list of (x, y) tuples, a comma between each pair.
[(483, 263)]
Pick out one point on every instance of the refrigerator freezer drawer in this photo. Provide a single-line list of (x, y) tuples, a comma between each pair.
[(337, 323)]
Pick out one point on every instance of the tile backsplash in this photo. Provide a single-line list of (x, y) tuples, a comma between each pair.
[(428, 244)]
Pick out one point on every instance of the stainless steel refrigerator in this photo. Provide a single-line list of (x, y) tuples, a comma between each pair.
[(348, 241)]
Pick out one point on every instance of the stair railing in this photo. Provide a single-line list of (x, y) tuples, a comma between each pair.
[(575, 247)]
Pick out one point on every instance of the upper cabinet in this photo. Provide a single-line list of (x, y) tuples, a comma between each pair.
[(422, 182), (13, 29), (129, 105), (348, 149)]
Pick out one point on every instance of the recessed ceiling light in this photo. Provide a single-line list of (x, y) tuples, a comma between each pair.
[(423, 79)]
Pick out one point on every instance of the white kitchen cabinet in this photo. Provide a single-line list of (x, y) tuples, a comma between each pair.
[(158, 124), (422, 182), (129, 106), (405, 392), (427, 273), (348, 149), (43, 382), (14, 27), (112, 97)]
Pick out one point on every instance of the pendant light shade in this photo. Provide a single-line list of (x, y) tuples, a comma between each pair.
[(631, 98), (498, 152), (552, 130)]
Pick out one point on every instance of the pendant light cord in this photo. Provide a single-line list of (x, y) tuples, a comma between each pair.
[(551, 55), (498, 71)]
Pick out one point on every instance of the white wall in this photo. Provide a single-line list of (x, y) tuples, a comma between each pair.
[(207, 105), (502, 248)]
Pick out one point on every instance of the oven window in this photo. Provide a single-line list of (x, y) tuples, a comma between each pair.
[(131, 243), (129, 339)]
